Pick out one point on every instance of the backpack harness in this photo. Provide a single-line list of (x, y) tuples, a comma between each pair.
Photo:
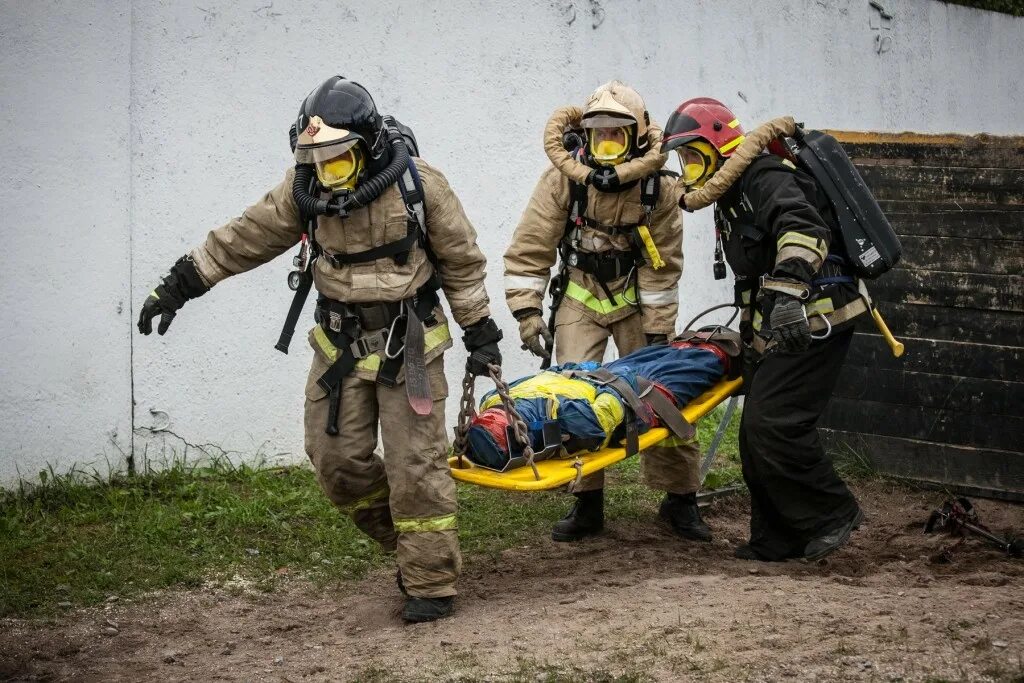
[(604, 266), (344, 324)]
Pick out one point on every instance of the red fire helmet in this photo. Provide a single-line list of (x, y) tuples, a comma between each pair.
[(703, 117)]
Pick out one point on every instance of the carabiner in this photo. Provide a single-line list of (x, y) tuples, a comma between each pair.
[(391, 333), (625, 287), (828, 330)]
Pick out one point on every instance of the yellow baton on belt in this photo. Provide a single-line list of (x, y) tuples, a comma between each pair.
[(652, 251)]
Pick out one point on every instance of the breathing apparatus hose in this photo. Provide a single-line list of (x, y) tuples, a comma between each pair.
[(366, 192), (714, 308)]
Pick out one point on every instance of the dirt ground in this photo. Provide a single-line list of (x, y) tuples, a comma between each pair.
[(634, 604)]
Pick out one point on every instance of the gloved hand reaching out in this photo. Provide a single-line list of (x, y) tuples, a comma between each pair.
[(181, 284)]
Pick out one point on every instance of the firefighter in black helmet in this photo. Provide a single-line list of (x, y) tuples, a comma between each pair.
[(388, 233)]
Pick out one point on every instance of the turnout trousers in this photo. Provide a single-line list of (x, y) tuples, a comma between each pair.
[(795, 493), (406, 500), (673, 465)]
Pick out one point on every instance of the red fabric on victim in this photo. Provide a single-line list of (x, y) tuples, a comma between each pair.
[(494, 420)]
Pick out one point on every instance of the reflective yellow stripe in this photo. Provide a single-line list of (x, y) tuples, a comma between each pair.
[(154, 294), (733, 123), (367, 501), (820, 307), (674, 441), (787, 162), (435, 337), (371, 363), (729, 145), (745, 296), (329, 349), (756, 322), (423, 524), (431, 340), (801, 240), (574, 291)]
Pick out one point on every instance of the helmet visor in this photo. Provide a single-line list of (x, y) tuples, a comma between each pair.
[(342, 171), (316, 153), (609, 146)]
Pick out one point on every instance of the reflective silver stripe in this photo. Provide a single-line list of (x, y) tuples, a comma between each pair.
[(479, 291), (537, 284), (659, 297)]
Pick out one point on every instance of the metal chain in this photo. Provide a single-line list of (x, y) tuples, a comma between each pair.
[(467, 411), (514, 418)]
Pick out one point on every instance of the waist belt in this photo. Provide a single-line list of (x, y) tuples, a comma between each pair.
[(817, 323), (371, 316), (394, 321), (605, 266)]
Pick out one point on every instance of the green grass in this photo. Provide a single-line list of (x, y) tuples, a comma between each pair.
[(72, 541)]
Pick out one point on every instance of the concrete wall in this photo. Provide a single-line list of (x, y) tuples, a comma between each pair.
[(130, 129)]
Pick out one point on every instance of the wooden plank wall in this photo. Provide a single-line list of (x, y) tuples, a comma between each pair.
[(951, 410)]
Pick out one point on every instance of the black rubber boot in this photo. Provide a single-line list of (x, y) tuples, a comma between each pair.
[(585, 518), (418, 610), (745, 552), (830, 542), (682, 514)]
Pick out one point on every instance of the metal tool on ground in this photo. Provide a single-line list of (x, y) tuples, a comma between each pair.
[(959, 518)]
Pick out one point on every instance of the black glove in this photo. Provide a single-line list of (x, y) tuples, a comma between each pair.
[(655, 338), (481, 340), (180, 285), (573, 139), (604, 179), (790, 328)]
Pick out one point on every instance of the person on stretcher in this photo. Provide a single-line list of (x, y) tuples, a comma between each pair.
[(577, 407)]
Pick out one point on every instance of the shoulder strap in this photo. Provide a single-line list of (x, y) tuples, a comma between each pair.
[(411, 187), (577, 203), (650, 188)]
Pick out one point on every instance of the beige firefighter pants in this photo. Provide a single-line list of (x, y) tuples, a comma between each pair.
[(673, 466), (405, 501)]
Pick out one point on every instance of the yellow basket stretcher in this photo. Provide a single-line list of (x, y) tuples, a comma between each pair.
[(557, 472)]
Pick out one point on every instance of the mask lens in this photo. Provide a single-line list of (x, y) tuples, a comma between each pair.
[(609, 145), (341, 171), (697, 159), (693, 164)]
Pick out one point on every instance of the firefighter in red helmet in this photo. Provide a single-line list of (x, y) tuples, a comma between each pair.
[(797, 299)]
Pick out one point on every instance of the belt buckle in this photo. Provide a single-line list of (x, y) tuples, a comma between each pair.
[(371, 343), (334, 322)]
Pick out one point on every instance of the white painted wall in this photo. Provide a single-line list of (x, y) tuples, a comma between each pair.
[(130, 129)]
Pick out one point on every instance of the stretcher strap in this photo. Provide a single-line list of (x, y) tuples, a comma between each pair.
[(636, 403)]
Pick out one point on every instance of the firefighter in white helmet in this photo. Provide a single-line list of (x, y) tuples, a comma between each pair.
[(620, 249)]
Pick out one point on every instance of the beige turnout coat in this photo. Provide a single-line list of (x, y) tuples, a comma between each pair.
[(273, 225), (534, 250)]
